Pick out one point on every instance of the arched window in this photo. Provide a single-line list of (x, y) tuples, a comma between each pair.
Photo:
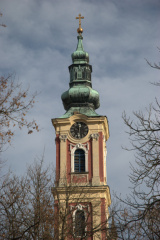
[(85, 149), (79, 161), (79, 223)]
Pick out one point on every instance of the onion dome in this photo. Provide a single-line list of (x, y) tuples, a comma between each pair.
[(80, 56), (80, 96)]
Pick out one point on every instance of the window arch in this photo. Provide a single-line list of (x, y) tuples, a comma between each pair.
[(79, 160), (80, 223), (73, 148)]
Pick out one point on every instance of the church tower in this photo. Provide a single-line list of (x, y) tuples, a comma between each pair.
[(81, 193)]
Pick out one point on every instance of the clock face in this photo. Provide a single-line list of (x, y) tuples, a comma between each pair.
[(79, 130)]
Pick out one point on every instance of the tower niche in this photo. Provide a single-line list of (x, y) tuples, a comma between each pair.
[(81, 193)]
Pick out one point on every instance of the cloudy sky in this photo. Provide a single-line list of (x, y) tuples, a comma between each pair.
[(37, 46)]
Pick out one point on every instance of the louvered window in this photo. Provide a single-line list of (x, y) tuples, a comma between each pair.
[(79, 161)]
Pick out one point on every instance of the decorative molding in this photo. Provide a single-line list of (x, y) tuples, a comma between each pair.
[(94, 136), (78, 207), (63, 138), (73, 148), (84, 208), (79, 145)]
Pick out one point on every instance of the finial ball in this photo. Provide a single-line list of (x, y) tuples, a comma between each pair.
[(80, 30)]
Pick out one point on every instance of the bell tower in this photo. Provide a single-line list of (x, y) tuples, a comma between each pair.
[(81, 193)]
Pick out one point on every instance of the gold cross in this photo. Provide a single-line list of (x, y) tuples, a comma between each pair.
[(79, 20), (80, 30)]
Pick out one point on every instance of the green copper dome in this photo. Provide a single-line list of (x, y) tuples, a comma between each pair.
[(80, 96), (80, 56)]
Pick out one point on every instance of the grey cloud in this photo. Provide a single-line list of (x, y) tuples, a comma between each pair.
[(37, 44)]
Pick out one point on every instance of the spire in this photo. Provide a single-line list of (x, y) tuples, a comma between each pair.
[(80, 97), (80, 56)]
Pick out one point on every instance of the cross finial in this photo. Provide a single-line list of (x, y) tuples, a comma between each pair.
[(80, 29)]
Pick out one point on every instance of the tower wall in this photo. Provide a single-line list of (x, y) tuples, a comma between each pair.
[(87, 188), (81, 193), (93, 145)]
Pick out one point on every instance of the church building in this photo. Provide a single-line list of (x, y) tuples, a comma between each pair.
[(81, 193)]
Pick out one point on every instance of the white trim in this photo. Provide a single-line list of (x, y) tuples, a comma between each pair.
[(85, 148), (82, 208), (105, 159)]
